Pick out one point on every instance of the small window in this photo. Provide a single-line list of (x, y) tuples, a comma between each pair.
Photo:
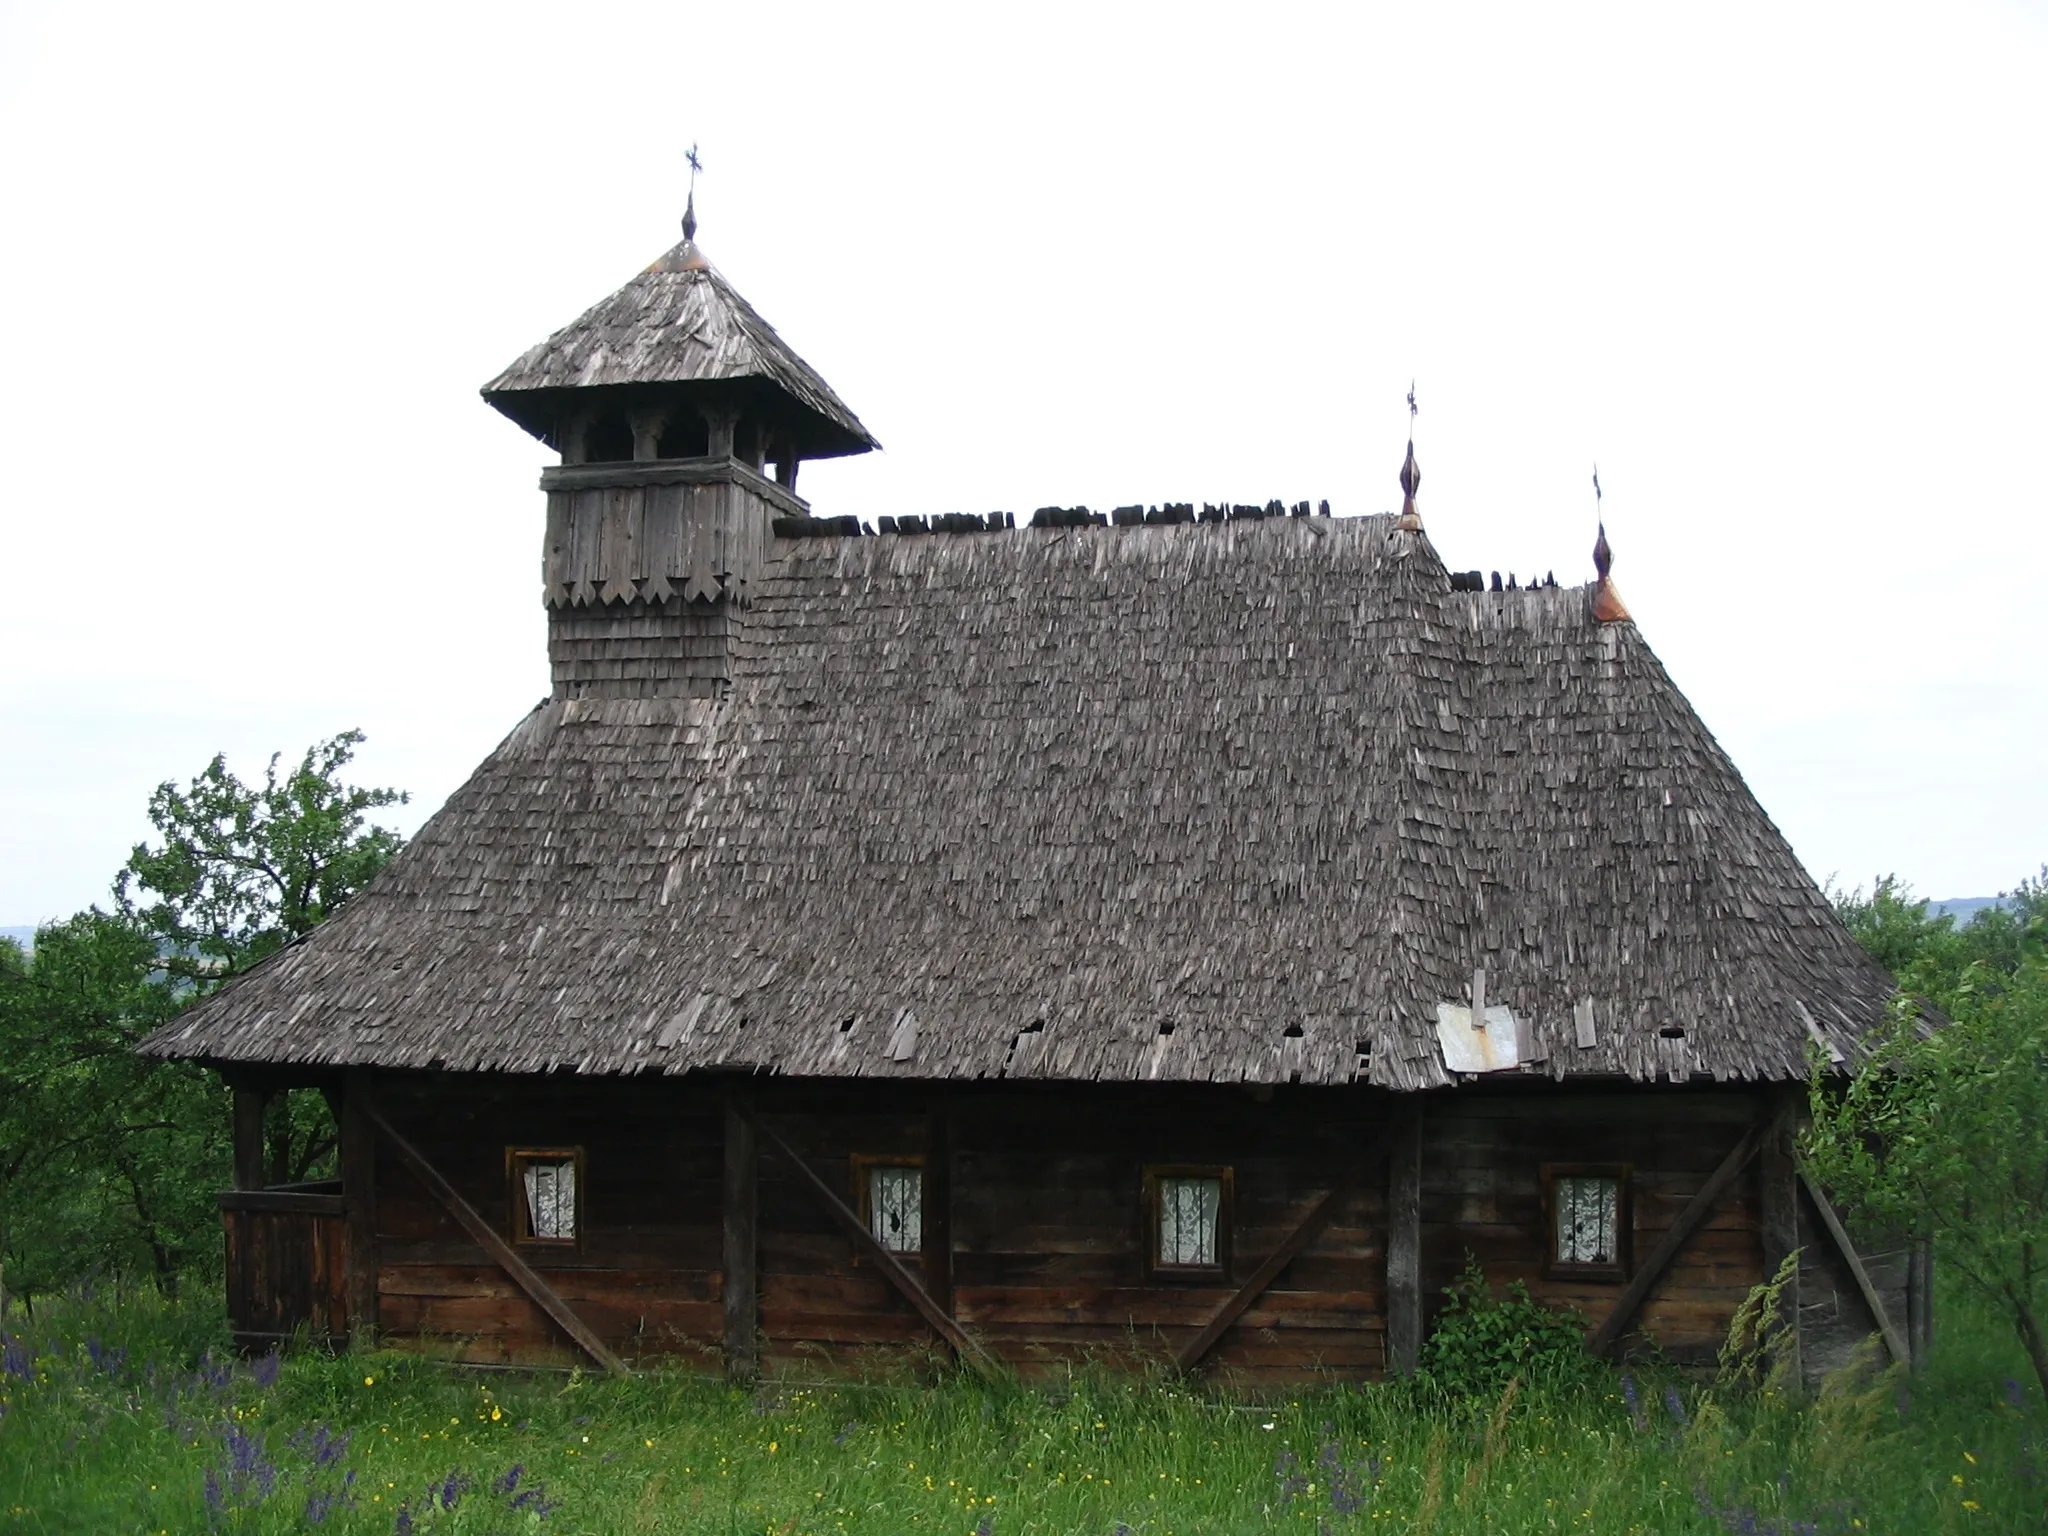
[(608, 440), (1188, 1221), (1588, 1216), (891, 1192), (546, 1194), (685, 435)]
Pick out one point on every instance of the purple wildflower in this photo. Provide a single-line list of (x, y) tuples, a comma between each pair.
[(452, 1488), (263, 1370), (1674, 1404), (320, 1505), (320, 1445), (109, 1362), (987, 1527), (403, 1525), (510, 1479), (1635, 1406), (536, 1499), (16, 1360), (1287, 1468), (845, 1433)]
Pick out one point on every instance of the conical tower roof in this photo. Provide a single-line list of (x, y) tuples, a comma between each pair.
[(679, 323)]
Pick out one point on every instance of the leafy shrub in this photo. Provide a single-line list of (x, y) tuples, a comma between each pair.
[(1481, 1341)]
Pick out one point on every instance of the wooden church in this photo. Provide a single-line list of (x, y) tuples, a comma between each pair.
[(1173, 935)]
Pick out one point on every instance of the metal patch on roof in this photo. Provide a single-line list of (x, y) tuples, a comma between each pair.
[(1493, 1048)]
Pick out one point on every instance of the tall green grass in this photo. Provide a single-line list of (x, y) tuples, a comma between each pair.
[(123, 1413)]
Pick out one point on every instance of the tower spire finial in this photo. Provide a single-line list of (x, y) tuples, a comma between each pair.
[(1411, 472), (690, 207)]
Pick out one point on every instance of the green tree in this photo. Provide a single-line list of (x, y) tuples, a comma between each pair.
[(242, 870), (108, 1162), (1942, 1129)]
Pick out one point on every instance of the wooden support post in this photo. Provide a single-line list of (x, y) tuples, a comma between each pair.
[(249, 1105), (359, 1189), (1779, 1165), (740, 1287), (1404, 1243), (278, 1117), (1920, 1303), (937, 1203), (1306, 1231), (521, 1273), (1697, 1209), (721, 427)]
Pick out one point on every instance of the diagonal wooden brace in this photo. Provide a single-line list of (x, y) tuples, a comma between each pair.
[(1894, 1341), (1191, 1354), (971, 1354), (544, 1295), (1696, 1211)]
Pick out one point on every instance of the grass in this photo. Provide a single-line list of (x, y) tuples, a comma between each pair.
[(126, 1414)]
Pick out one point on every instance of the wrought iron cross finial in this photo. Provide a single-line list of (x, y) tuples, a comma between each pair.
[(690, 207), (1413, 411)]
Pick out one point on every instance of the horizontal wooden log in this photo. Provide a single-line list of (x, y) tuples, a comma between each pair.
[(282, 1201)]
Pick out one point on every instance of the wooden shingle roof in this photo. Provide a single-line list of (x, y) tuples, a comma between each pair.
[(677, 323), (1233, 802)]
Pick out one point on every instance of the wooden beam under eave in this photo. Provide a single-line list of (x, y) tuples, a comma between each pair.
[(1404, 1243), (249, 1106), (1920, 1302), (1779, 1166), (501, 1252), (358, 1117), (740, 1285), (937, 1203)]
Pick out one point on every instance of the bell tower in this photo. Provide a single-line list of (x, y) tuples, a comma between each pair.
[(681, 418)]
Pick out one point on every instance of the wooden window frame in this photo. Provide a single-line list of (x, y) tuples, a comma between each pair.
[(861, 1165), (1216, 1273), (1623, 1175), (516, 1157)]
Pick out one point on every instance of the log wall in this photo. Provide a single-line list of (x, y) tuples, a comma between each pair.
[(1483, 1194), (1047, 1258)]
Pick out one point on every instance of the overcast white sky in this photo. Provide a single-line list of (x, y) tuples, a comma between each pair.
[(1777, 268)]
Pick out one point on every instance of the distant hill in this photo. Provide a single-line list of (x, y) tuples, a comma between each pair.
[(1963, 908), (25, 937)]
